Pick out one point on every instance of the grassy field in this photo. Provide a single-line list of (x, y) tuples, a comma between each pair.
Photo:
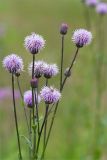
[(73, 132)]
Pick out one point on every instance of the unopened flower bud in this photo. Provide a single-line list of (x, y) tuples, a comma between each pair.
[(34, 83), (67, 73), (63, 29)]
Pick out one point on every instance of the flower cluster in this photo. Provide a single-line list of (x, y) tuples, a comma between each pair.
[(42, 68), (34, 43)]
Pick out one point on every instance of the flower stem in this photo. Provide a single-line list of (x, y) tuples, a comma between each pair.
[(37, 112), (33, 90), (18, 82), (62, 56), (40, 133), (30, 130), (45, 127), (46, 81), (15, 115), (33, 109), (72, 63)]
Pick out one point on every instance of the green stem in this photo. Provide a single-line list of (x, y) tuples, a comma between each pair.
[(37, 112), (23, 103), (62, 56), (33, 109), (40, 133), (15, 115), (30, 130), (45, 127), (72, 63)]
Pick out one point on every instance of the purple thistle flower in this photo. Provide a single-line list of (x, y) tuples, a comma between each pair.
[(28, 98), (64, 28), (91, 3), (82, 37), (34, 43), (101, 8), (38, 68), (50, 70), (50, 95), (13, 63)]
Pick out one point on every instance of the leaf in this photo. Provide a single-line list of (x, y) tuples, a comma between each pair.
[(40, 118), (27, 141)]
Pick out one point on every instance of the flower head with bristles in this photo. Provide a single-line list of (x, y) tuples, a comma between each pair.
[(38, 68), (34, 43), (91, 3), (50, 70), (101, 8), (82, 37), (50, 95), (28, 98), (13, 63)]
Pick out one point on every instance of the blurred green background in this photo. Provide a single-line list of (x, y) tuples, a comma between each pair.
[(72, 137)]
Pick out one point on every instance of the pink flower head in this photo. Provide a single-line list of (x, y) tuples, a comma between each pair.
[(13, 63), (34, 43), (50, 70), (91, 3), (38, 68), (82, 37), (101, 8), (28, 98), (50, 95)]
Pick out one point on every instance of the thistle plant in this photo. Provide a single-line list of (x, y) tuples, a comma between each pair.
[(39, 129)]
